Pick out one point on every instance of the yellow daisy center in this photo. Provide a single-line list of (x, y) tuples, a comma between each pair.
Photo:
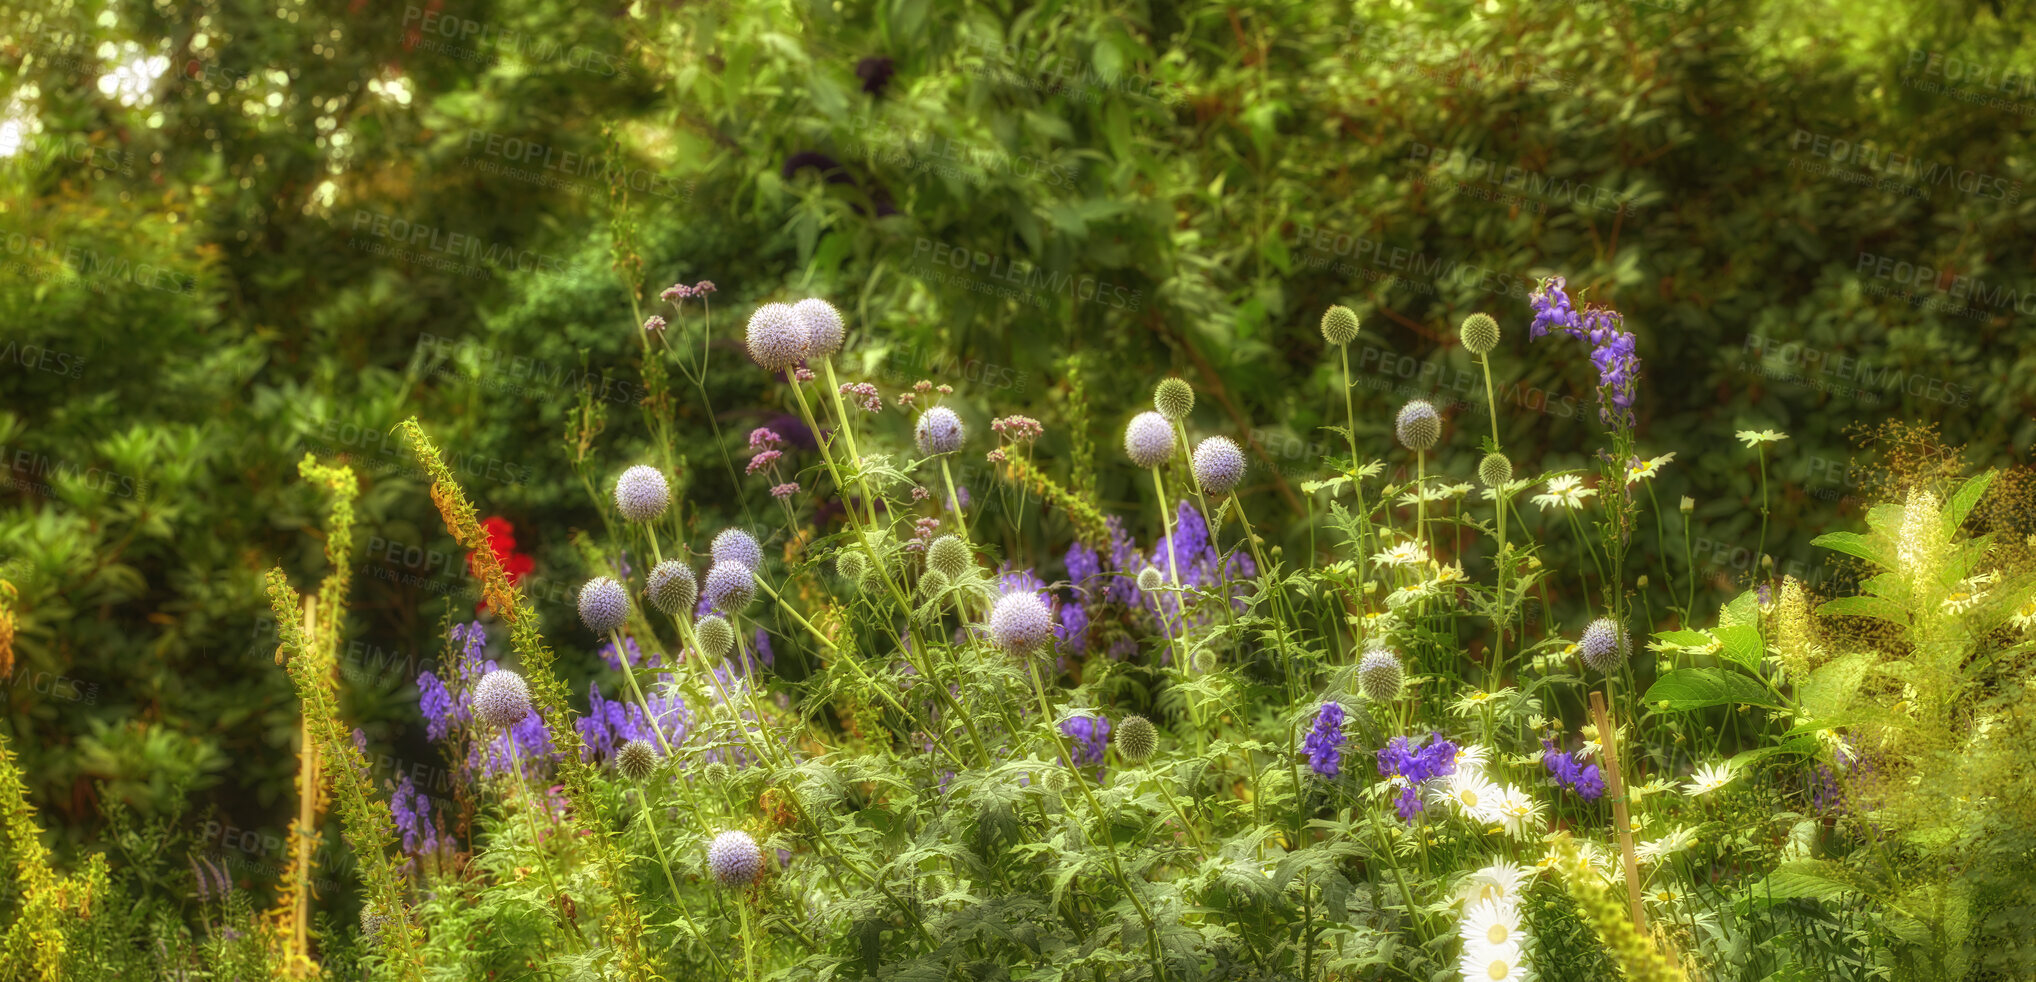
[(1468, 797), (1498, 969), (1497, 934)]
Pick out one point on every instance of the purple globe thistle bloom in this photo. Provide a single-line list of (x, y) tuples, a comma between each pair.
[(1020, 622), (737, 546), (1016, 580), (1323, 743), (939, 431), (1090, 736), (1218, 465), (823, 326), (1604, 645), (604, 605), (734, 859), (730, 587), (778, 337), (1418, 425), (1148, 439), (502, 700), (1569, 772), (641, 493), (1612, 347)]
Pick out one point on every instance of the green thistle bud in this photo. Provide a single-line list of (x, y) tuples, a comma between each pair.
[(636, 760), (934, 583), (1203, 661), (1137, 738), (948, 556), (1339, 325), (1174, 398), (1149, 579), (1495, 470), (716, 636), (1480, 334), (853, 567)]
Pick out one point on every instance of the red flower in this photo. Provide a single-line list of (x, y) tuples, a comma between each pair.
[(502, 542)]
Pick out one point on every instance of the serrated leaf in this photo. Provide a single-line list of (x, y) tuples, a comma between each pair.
[(1875, 607), (1698, 688), (1968, 495), (1687, 639), (1853, 544), (1814, 879), (1742, 644)]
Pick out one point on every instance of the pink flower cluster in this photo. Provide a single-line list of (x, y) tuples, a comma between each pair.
[(766, 440), (679, 291), (785, 490), (1017, 429), (866, 394)]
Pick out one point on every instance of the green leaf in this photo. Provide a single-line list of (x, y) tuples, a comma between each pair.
[(1966, 497), (1877, 607), (1744, 609), (1686, 639), (1815, 879), (1743, 644), (1747, 758), (1698, 688), (1854, 544)]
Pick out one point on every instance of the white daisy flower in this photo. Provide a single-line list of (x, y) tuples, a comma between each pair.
[(1408, 553), (1492, 965), (1476, 798), (1641, 470), (2025, 615), (1490, 924), (1668, 845), (1707, 779), (1754, 438), (1501, 882), (1567, 491), (1511, 488), (1519, 812), (1473, 757)]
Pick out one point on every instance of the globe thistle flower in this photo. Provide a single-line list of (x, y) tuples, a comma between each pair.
[(1324, 742), (604, 605), (672, 587), (730, 586), (1202, 661), (1480, 334), (1339, 325), (948, 556), (1604, 645), (736, 546), (1150, 579), (1137, 738), (1218, 465), (1174, 398), (734, 859), (1380, 676), (853, 566), (933, 583), (636, 760), (641, 493), (1418, 425), (501, 699), (1020, 622), (715, 635), (778, 337), (939, 431), (1149, 439), (823, 326), (1495, 470)]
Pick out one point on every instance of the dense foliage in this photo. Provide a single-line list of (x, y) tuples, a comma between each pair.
[(240, 235)]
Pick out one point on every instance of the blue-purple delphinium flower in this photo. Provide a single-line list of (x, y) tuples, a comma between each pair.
[(1072, 628), (447, 704), (1400, 758), (1196, 559), (412, 811), (1325, 741), (1612, 348), (1091, 736), (1584, 779)]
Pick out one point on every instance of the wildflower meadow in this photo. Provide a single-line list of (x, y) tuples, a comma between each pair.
[(893, 491)]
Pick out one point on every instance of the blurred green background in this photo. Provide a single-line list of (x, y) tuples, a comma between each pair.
[(236, 233)]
